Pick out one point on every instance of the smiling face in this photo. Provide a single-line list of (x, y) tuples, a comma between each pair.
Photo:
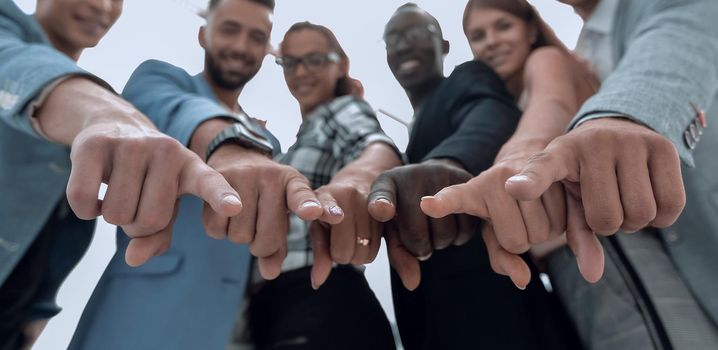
[(311, 68), (74, 25), (235, 39), (500, 39), (414, 48)]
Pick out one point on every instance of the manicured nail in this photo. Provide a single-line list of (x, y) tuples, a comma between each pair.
[(427, 197), (425, 257), (336, 210), (231, 199), (383, 200), (519, 287), (519, 178), (310, 204)]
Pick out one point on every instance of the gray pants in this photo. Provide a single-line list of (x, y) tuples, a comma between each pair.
[(644, 306)]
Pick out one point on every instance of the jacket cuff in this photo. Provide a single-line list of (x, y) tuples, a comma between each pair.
[(671, 128)]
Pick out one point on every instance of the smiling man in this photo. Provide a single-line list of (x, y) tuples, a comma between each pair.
[(460, 122), (188, 297)]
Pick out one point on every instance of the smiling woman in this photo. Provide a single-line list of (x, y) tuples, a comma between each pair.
[(340, 148)]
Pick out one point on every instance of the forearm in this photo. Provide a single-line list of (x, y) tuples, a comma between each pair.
[(77, 103), (540, 124), (375, 159), (545, 120)]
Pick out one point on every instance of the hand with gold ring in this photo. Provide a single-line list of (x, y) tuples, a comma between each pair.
[(345, 234)]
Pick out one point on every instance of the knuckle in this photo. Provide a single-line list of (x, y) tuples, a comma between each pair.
[(260, 250), (132, 145), (557, 228), (443, 241), (152, 223), (539, 235), (416, 241), (167, 147), (341, 257), (98, 141), (419, 249), (661, 145), (516, 245), (79, 195), (119, 217), (672, 205), (605, 224), (639, 216), (240, 238), (599, 136)]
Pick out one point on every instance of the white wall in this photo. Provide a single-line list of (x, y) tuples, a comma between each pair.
[(167, 30)]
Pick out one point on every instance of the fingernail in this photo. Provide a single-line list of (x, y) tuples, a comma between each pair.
[(231, 199), (383, 200), (425, 257), (519, 178), (427, 197), (336, 210), (519, 287), (310, 204), (314, 285)]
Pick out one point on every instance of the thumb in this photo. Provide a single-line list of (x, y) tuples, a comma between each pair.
[(301, 199), (456, 199), (382, 198)]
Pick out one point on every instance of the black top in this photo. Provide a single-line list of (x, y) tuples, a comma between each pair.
[(467, 118)]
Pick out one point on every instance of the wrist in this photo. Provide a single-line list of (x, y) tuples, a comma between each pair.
[(236, 155)]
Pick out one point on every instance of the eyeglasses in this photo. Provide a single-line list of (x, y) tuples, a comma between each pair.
[(312, 62), (411, 35)]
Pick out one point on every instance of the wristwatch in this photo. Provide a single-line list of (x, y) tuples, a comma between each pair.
[(244, 133)]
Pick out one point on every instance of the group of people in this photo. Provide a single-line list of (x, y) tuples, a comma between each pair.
[(529, 158)]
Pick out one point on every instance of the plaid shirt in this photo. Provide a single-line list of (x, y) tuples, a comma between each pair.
[(334, 135)]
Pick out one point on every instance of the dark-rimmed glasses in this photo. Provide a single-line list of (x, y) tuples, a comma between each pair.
[(312, 62)]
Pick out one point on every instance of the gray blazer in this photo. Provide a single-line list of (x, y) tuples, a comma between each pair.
[(667, 54)]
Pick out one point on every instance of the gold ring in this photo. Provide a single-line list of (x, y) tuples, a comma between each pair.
[(363, 241)]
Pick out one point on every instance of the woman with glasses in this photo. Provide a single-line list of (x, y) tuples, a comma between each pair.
[(339, 138)]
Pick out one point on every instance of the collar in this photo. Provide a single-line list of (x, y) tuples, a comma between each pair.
[(603, 16)]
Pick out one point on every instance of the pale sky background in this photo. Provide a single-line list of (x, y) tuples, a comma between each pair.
[(167, 30)]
